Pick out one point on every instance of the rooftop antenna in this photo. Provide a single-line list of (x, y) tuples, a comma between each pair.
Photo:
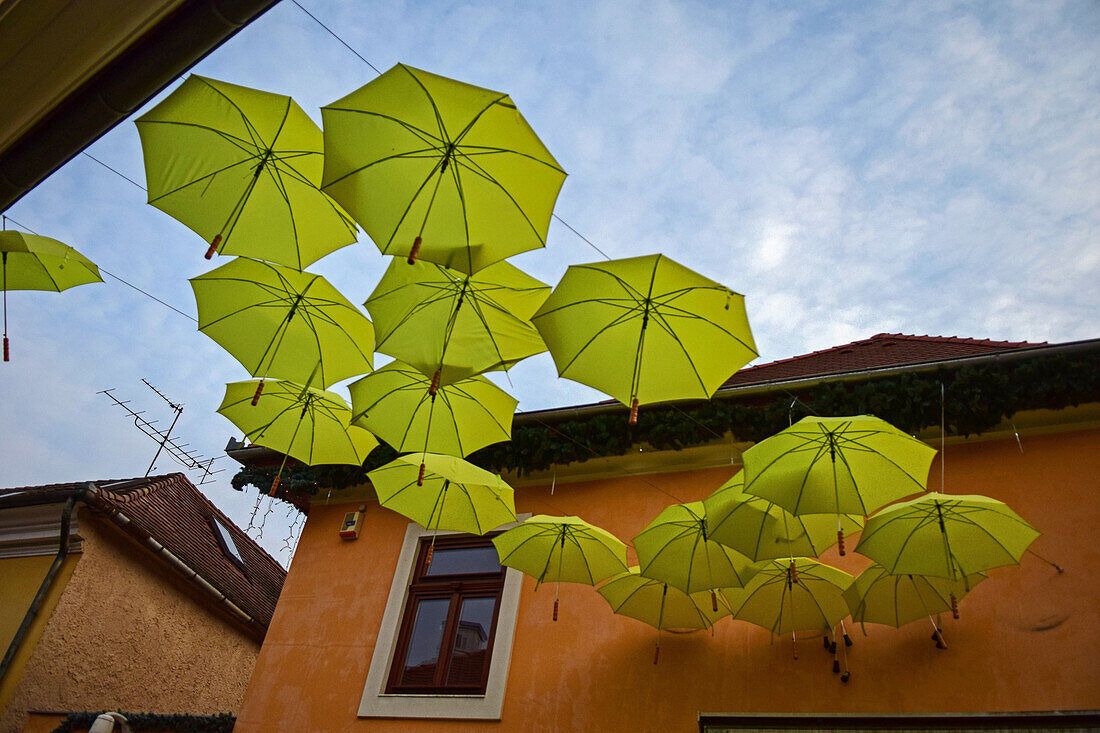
[(190, 459)]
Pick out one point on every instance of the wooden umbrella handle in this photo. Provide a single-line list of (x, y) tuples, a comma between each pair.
[(954, 606), (259, 391), (274, 486), (840, 541), (555, 609), (415, 250), (213, 246), (6, 349), (634, 411)]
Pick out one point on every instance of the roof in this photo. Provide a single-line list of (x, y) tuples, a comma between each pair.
[(881, 350), (172, 511)]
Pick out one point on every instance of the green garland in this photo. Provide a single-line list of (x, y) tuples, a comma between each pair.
[(976, 398), (220, 723)]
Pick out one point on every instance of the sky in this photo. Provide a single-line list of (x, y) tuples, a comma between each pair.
[(851, 168)]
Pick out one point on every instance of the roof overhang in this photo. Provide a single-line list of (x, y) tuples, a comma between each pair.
[(73, 69)]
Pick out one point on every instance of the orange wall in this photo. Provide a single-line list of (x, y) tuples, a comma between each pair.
[(1028, 638)]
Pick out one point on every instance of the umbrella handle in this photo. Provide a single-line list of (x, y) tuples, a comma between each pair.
[(954, 606), (937, 636), (259, 391), (657, 652), (415, 250), (274, 486), (6, 349), (555, 609), (420, 478), (845, 677), (435, 383), (634, 411), (840, 541), (714, 602), (213, 246)]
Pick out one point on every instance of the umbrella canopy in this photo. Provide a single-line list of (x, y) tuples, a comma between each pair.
[(455, 495), (658, 604), (561, 549), (242, 168), (454, 325), (877, 597), (32, 262), (645, 329), (785, 596), (675, 548), (395, 403), (846, 465), (761, 530), (946, 536), (435, 168), (308, 424), (283, 323)]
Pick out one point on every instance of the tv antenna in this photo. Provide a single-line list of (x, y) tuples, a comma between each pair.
[(190, 459)]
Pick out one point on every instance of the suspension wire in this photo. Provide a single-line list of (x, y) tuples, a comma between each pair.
[(117, 173), (116, 277), (338, 38)]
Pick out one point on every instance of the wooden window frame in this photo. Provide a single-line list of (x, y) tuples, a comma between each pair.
[(456, 588)]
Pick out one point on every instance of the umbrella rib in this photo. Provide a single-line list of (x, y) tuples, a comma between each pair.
[(238, 142), (195, 181), (469, 151)]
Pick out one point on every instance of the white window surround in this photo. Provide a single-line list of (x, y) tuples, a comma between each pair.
[(376, 703)]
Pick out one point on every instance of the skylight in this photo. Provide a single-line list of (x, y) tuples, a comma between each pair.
[(225, 539)]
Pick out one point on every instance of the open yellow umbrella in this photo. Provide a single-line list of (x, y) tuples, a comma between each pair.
[(301, 422), (451, 326), (452, 494), (876, 596), (645, 329), (761, 530), (396, 404), (837, 465), (283, 323), (659, 604), (798, 594), (435, 168), (948, 536), (674, 548), (561, 549), (32, 262), (242, 168)]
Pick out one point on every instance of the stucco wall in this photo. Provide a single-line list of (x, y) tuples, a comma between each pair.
[(126, 635), (1028, 638)]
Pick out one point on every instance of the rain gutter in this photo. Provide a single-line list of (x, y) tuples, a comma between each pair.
[(130, 80), (43, 589), (90, 495), (781, 385)]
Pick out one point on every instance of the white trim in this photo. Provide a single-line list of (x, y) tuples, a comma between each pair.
[(375, 703), (32, 531)]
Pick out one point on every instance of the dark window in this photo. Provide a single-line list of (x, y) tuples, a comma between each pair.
[(446, 637)]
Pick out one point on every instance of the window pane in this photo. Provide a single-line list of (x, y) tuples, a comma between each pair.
[(424, 642), (462, 560), (468, 658)]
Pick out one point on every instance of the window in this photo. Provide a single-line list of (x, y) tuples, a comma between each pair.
[(469, 682), (225, 540), (446, 636)]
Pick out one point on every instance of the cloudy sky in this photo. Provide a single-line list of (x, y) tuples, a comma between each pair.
[(852, 168)]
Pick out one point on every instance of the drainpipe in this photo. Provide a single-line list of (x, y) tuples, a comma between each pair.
[(43, 590)]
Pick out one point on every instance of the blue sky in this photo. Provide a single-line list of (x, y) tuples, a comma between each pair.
[(852, 168)]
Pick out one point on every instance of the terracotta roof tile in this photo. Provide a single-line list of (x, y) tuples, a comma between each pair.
[(174, 512), (881, 350)]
